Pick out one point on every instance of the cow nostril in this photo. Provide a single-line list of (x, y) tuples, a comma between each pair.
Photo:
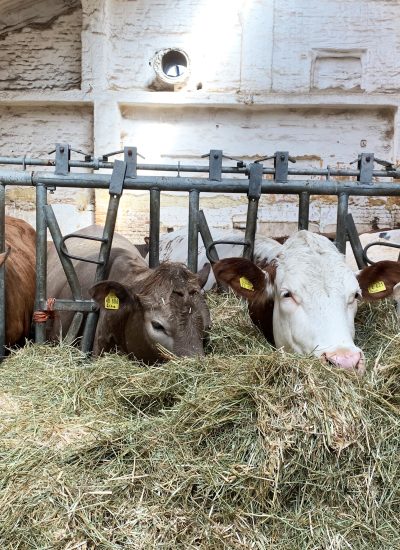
[(348, 361)]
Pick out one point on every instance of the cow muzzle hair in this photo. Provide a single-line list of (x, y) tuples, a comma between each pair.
[(348, 360)]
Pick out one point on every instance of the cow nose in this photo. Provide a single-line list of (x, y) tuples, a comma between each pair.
[(346, 360)]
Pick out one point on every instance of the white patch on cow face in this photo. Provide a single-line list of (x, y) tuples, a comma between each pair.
[(158, 329), (315, 298)]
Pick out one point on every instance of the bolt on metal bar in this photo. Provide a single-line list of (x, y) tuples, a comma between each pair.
[(304, 210), (154, 248), (193, 230)]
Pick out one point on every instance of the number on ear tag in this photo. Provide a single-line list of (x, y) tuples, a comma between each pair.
[(378, 286), (245, 283), (111, 301)]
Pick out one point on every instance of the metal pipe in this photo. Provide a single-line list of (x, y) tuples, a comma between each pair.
[(100, 164), (100, 181), (2, 271), (193, 230), (71, 305), (70, 274), (355, 241), (68, 266), (206, 236), (304, 210), (251, 226), (154, 248), (41, 258), (116, 183), (342, 208)]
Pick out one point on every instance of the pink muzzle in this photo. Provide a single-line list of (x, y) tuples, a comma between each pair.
[(349, 360)]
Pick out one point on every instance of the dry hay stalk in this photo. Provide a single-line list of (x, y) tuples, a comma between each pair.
[(246, 448)]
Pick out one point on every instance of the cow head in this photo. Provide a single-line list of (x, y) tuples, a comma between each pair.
[(167, 309), (306, 298)]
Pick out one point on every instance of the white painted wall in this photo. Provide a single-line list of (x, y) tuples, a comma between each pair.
[(320, 79)]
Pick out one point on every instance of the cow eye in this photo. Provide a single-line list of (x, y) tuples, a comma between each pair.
[(157, 326), (286, 294)]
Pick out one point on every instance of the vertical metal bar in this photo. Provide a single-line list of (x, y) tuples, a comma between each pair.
[(41, 257), (2, 270), (251, 226), (304, 210), (206, 235), (255, 171), (154, 248), (342, 208), (355, 241), (193, 231), (69, 271), (66, 262), (116, 189)]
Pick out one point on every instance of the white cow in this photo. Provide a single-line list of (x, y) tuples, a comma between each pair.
[(174, 248), (305, 299)]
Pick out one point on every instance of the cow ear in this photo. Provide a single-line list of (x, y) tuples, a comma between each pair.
[(380, 280), (244, 277), (203, 274), (111, 295), (4, 255)]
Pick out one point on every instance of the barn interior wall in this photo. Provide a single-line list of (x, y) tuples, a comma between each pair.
[(320, 79)]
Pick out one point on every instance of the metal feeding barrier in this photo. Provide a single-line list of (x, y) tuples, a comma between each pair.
[(214, 177)]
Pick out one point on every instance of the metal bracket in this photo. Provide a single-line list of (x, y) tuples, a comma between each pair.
[(104, 158), (255, 180), (215, 164), (130, 157), (117, 178), (365, 163), (281, 165), (377, 243), (64, 251), (63, 156), (212, 244)]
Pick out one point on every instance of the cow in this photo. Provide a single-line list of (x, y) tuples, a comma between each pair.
[(140, 309), (20, 275), (305, 299), (174, 247)]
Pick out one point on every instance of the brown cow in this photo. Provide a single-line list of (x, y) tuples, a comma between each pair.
[(20, 274), (140, 308)]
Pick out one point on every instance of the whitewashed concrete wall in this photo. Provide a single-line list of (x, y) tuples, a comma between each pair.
[(320, 79)]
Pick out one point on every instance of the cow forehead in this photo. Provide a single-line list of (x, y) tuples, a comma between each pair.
[(308, 261)]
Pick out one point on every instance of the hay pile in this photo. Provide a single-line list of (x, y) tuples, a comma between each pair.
[(248, 448)]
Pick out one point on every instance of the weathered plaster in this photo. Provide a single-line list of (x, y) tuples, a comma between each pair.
[(315, 78)]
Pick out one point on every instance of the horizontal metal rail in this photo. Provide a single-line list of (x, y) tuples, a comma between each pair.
[(101, 164), (164, 183)]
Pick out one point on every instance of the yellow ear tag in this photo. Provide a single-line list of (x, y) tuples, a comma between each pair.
[(378, 286), (111, 301), (245, 283)]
